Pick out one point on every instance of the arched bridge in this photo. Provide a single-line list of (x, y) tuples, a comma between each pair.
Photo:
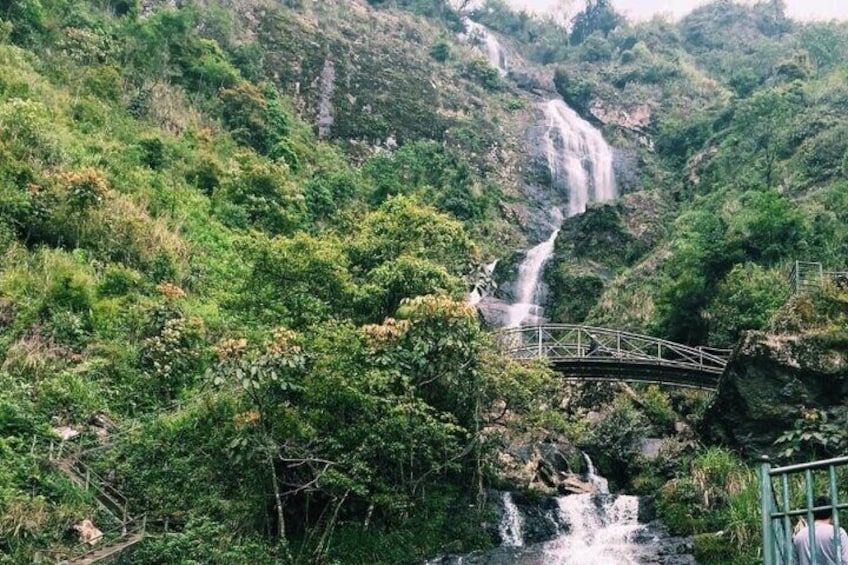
[(602, 354)]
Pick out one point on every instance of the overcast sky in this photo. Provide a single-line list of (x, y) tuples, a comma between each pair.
[(644, 9)]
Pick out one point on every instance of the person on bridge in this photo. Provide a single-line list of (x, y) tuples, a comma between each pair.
[(824, 538), (593, 345)]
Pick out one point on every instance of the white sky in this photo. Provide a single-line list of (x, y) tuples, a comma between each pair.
[(644, 9)]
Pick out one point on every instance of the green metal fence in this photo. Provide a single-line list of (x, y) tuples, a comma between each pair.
[(787, 494)]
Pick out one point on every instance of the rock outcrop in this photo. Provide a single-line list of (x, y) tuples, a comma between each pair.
[(770, 380), (546, 467)]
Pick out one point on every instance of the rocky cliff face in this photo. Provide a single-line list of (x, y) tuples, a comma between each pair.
[(771, 379)]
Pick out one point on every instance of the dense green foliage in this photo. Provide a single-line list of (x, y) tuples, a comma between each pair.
[(274, 325)]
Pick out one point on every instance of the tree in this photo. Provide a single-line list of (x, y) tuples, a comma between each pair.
[(402, 225), (598, 16), (761, 128), (297, 281)]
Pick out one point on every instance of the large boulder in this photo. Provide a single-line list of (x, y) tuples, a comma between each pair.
[(770, 380), (547, 467)]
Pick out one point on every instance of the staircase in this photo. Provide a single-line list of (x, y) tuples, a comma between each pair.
[(127, 534), (109, 550)]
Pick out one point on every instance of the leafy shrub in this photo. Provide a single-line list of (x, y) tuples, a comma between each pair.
[(657, 408), (572, 294), (265, 196), (617, 437), (440, 51), (117, 280), (479, 70), (67, 396), (152, 152), (206, 175), (25, 129), (746, 299), (175, 355), (575, 90), (104, 81), (252, 119), (823, 156), (815, 435)]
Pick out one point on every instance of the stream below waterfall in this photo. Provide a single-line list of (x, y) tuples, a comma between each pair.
[(585, 529)]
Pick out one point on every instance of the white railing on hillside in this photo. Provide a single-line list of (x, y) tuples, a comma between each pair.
[(810, 274)]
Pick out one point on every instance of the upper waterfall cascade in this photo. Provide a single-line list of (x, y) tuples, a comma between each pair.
[(479, 36), (580, 163)]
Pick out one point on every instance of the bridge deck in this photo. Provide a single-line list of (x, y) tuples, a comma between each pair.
[(591, 353)]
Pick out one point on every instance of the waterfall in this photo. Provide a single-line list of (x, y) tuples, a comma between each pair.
[(601, 526), (580, 164), (529, 273), (510, 526), (484, 40), (578, 157), (600, 483), (601, 531)]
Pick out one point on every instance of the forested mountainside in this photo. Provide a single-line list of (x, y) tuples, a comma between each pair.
[(237, 239)]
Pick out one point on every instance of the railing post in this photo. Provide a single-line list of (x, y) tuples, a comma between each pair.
[(540, 340), (834, 501), (765, 509), (811, 528), (797, 277)]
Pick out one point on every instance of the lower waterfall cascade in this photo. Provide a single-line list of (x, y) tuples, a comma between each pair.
[(594, 529)]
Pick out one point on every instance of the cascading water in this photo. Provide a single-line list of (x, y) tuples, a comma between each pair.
[(601, 531), (600, 483), (510, 526), (485, 41), (600, 527), (579, 162), (529, 273)]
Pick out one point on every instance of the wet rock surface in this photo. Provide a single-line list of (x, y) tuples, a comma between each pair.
[(770, 380)]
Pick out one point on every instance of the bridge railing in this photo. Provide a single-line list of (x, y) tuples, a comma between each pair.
[(566, 342), (788, 495)]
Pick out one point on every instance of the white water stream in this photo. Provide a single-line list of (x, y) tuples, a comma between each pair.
[(580, 163), (601, 530), (596, 529), (485, 41), (511, 523)]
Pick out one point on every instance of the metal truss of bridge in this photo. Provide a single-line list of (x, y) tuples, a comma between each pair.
[(587, 353)]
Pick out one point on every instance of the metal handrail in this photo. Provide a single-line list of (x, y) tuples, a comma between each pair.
[(777, 512), (836, 461), (628, 346), (82, 549), (799, 275)]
